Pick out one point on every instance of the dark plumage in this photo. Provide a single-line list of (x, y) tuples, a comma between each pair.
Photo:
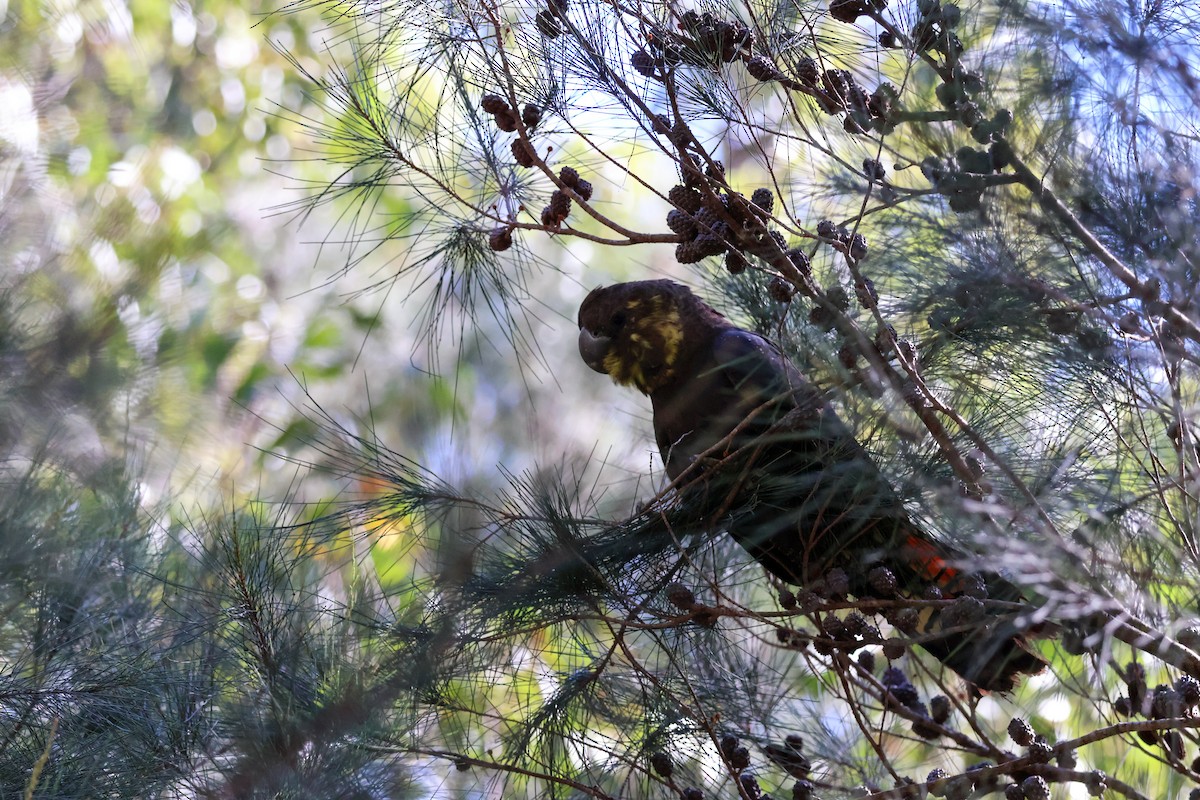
[(756, 445)]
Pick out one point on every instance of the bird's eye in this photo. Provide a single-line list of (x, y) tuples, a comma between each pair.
[(618, 320)]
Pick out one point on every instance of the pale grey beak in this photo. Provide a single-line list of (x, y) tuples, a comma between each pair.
[(593, 349)]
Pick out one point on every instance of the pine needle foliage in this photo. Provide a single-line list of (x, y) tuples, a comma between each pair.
[(973, 226)]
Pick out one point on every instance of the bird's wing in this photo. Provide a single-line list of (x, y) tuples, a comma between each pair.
[(815, 499), (809, 492), (753, 365), (765, 381)]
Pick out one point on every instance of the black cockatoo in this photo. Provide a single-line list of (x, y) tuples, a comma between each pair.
[(757, 446)]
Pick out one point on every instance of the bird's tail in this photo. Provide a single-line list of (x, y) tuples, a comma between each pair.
[(991, 657), (980, 641)]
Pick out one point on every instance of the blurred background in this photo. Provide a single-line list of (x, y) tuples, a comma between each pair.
[(187, 301), (261, 406)]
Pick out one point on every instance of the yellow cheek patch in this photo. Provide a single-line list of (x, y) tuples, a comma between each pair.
[(672, 336), (650, 349), (621, 370)]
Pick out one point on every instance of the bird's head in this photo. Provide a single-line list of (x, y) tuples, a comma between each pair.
[(635, 331)]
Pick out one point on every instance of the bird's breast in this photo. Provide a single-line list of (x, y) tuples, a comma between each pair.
[(710, 419)]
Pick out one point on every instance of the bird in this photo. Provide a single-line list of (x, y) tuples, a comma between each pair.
[(747, 439)]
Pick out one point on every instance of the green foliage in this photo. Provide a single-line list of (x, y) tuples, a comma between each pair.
[(1013, 334)]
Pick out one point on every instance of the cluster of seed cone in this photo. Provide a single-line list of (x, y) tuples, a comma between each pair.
[(556, 211), (788, 755), (1164, 702), (855, 632), (702, 40), (835, 90), (548, 19), (934, 28), (505, 116), (1020, 776), (964, 176), (717, 222), (851, 10), (1027, 773), (1027, 783), (712, 220), (705, 40)]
